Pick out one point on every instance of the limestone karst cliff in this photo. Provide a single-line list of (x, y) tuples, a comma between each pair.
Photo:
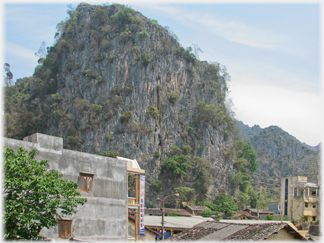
[(116, 82)]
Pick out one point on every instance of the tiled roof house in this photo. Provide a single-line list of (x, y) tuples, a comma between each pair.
[(218, 231), (195, 210), (262, 212)]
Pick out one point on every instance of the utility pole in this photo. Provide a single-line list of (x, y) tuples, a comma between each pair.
[(163, 210), (163, 221)]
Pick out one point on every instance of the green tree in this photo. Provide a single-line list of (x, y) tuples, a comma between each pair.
[(186, 193), (34, 195), (178, 164), (207, 213), (203, 172), (225, 203), (250, 156), (242, 200)]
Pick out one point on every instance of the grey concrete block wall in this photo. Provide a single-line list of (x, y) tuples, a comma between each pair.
[(104, 215)]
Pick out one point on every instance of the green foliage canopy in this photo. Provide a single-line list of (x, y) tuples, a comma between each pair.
[(34, 194), (225, 203), (186, 193), (178, 164)]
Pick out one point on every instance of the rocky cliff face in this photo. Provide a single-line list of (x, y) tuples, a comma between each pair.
[(117, 81), (279, 155)]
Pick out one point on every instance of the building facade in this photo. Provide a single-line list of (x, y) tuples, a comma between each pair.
[(102, 180), (274, 207), (299, 198)]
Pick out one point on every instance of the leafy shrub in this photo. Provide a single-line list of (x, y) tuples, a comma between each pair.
[(108, 138), (225, 203), (173, 97), (154, 22), (58, 113), (136, 49), (111, 58), (157, 154), (175, 150), (185, 193), (73, 140), (178, 164), (186, 149), (123, 17), (105, 44), (108, 153), (100, 79), (207, 213), (116, 89), (174, 214), (97, 108), (127, 90), (153, 112), (143, 34), (138, 127), (117, 100), (157, 186), (56, 97), (125, 36), (98, 59), (268, 217), (69, 66), (212, 91), (145, 60), (125, 117), (137, 21)]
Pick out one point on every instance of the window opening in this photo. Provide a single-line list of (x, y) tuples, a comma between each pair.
[(286, 197), (306, 205), (86, 182), (65, 228)]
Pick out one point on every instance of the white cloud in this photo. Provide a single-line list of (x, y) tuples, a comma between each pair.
[(21, 52), (295, 111), (228, 28)]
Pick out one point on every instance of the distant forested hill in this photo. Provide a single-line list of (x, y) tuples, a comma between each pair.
[(279, 155)]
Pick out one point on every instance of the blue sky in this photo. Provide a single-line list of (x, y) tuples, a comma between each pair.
[(271, 51)]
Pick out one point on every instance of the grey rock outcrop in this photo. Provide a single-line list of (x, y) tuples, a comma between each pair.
[(117, 81)]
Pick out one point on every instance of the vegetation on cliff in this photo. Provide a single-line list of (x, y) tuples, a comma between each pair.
[(117, 83)]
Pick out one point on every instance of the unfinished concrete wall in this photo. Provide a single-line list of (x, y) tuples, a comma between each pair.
[(104, 215)]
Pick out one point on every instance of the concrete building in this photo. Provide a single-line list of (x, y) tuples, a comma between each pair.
[(102, 180), (299, 198)]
